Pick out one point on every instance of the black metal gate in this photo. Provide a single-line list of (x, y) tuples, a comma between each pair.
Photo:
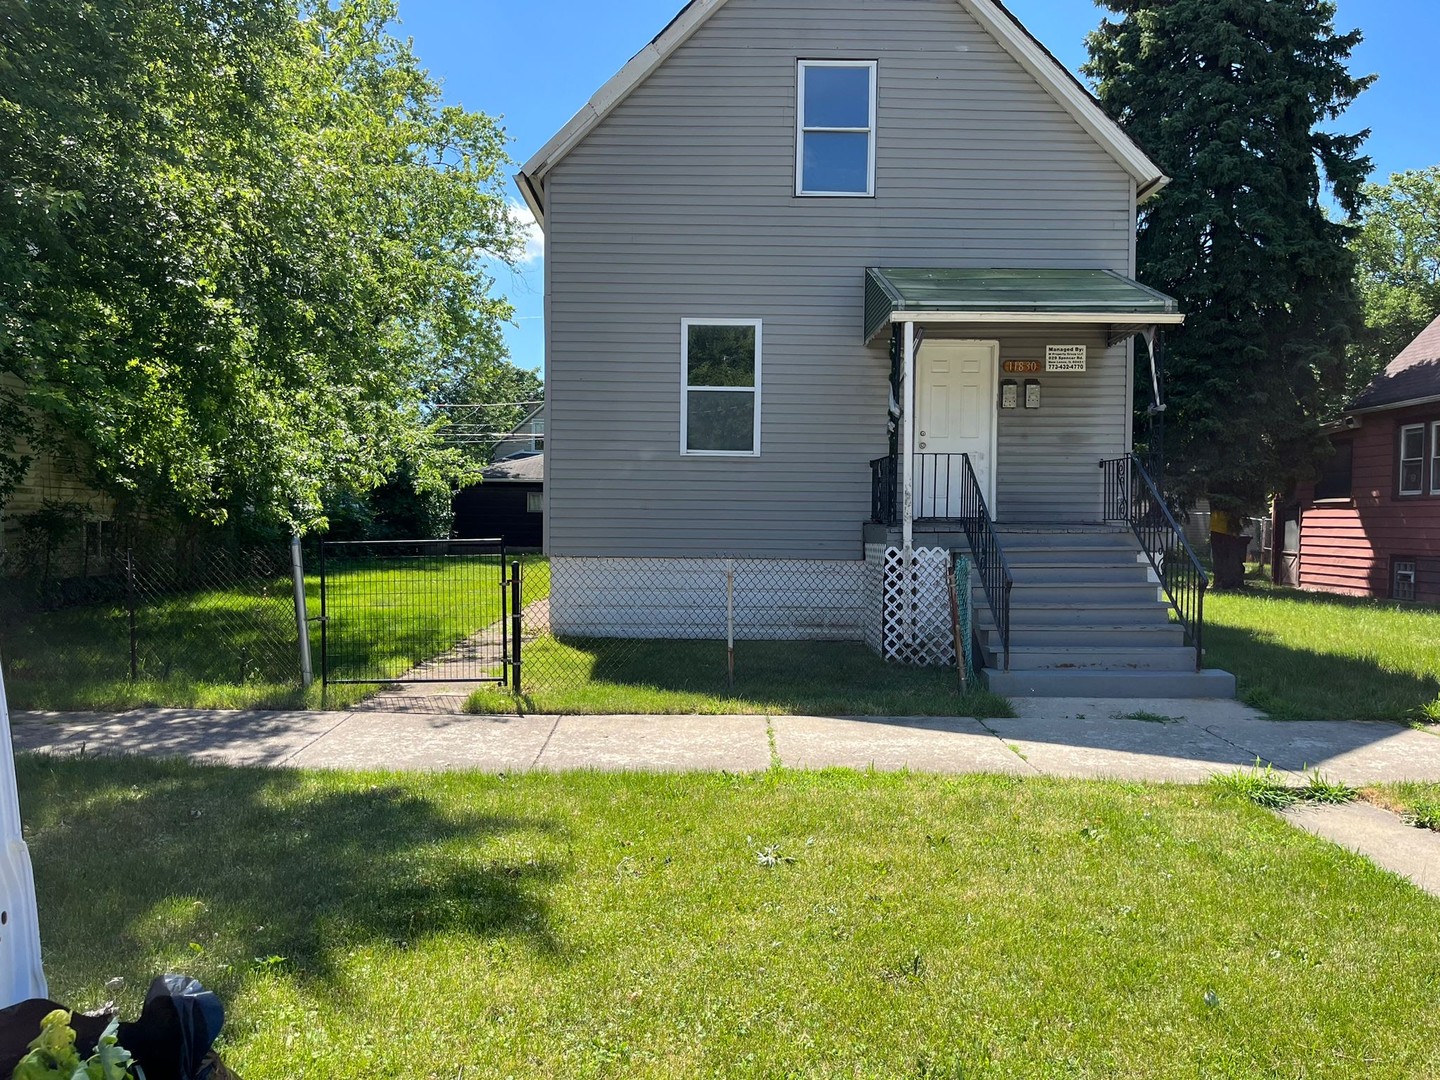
[(414, 611)]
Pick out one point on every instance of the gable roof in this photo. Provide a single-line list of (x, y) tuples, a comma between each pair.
[(1007, 30), (1412, 378)]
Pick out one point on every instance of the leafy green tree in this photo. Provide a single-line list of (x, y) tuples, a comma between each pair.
[(1398, 252), (1235, 99), (239, 241)]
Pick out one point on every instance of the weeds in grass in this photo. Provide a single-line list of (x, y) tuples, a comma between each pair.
[(1417, 804), (1327, 792), (1429, 713), (1264, 786), (772, 856), (912, 968), (1261, 786), (1425, 816)]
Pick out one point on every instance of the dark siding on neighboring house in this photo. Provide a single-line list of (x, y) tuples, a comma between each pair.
[(1349, 545), (499, 508)]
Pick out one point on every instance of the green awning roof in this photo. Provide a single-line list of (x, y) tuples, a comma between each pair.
[(1100, 296)]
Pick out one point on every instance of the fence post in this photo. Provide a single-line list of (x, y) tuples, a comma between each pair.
[(130, 614), (730, 622), (516, 622), (302, 619), (324, 624)]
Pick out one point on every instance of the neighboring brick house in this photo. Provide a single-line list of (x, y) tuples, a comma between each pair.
[(1370, 526)]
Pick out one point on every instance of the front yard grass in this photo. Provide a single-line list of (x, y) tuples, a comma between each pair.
[(610, 675), (1418, 803), (1315, 656), (777, 925)]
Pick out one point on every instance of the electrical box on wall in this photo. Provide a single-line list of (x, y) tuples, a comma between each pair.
[(1009, 394), (1032, 393)]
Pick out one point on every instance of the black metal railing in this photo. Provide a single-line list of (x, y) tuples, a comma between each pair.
[(965, 501), (885, 491), (1132, 497)]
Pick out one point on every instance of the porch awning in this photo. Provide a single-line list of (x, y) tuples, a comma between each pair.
[(1095, 297)]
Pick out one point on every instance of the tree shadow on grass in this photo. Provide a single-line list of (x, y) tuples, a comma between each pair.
[(1298, 684), (135, 860)]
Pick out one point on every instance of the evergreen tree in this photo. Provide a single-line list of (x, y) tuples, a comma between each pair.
[(1234, 99)]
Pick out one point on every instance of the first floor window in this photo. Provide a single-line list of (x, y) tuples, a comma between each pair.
[(720, 386), (534, 502), (1412, 459), (1402, 579)]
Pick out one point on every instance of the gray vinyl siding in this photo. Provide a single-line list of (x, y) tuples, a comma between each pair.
[(1048, 458), (681, 205)]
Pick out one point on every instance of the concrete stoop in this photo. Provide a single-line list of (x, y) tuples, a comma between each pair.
[(1111, 684), (1088, 619)]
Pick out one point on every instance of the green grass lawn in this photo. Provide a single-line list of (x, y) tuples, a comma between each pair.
[(779, 925), (607, 676), (235, 647), (1315, 656), (1418, 803)]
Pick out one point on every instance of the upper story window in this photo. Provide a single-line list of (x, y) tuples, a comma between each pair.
[(1412, 459), (720, 387), (835, 144), (1335, 479)]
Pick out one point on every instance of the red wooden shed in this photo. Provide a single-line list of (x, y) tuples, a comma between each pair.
[(1370, 526)]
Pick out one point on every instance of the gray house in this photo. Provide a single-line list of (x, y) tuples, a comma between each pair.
[(527, 438), (832, 282)]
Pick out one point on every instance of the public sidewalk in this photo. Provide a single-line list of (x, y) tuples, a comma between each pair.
[(1098, 739)]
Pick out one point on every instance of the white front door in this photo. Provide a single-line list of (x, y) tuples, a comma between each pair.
[(955, 414)]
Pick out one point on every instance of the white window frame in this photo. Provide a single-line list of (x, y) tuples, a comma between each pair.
[(1400, 452), (534, 502), (1410, 574), (1435, 458), (686, 389), (801, 129)]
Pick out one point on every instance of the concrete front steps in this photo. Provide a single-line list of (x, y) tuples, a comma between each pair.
[(1088, 619)]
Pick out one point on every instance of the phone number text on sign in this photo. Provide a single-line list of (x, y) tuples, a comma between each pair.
[(1065, 357)]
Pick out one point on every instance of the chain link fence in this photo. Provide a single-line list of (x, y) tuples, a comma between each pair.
[(155, 610), (170, 622), (613, 632)]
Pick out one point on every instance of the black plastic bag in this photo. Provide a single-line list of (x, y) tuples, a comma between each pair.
[(171, 1040), (176, 1029)]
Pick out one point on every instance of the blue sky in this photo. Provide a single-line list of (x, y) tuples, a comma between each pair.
[(536, 62)]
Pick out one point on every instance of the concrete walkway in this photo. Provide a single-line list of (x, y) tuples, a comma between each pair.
[(1176, 741), (1378, 835)]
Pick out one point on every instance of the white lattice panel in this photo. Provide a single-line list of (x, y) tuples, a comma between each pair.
[(917, 623)]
